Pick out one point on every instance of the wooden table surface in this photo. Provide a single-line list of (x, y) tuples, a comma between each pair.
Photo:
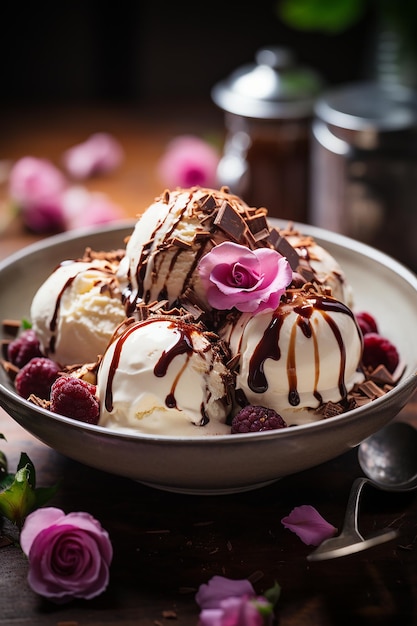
[(167, 544)]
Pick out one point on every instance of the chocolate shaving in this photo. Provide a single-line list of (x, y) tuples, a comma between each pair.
[(44, 404), (11, 327), (4, 347), (230, 222), (284, 247), (207, 203), (180, 243), (10, 369), (381, 376), (258, 226), (371, 390), (330, 409)]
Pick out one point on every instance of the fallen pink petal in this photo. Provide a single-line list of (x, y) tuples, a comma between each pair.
[(219, 588), (306, 522), (101, 153)]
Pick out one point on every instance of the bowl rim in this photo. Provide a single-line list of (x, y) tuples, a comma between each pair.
[(320, 235)]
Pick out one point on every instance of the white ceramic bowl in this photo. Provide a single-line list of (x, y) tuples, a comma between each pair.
[(228, 463)]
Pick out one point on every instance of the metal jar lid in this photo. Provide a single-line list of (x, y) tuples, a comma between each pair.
[(272, 88), (368, 106)]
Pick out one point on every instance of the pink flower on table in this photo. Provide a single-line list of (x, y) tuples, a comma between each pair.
[(226, 602), (69, 555), (36, 187), (189, 161), (99, 154), (306, 522), (82, 208), (252, 281)]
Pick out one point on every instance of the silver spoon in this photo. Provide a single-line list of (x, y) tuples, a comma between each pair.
[(389, 460)]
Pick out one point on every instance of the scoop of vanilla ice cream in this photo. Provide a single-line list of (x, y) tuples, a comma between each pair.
[(324, 268), (76, 310), (164, 376), (171, 236), (302, 355)]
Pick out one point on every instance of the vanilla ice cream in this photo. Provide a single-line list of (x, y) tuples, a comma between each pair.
[(173, 233), (164, 376), (295, 359), (76, 310)]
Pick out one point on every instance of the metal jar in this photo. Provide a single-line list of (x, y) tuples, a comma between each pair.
[(364, 166), (268, 109)]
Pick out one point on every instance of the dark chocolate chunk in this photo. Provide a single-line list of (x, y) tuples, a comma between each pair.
[(230, 222), (284, 247)]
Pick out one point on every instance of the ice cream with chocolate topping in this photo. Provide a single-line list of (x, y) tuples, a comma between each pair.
[(76, 310), (295, 359), (165, 376), (174, 232), (181, 226), (214, 309)]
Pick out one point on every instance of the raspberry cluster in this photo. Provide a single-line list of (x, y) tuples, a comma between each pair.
[(377, 350), (42, 377), (255, 419)]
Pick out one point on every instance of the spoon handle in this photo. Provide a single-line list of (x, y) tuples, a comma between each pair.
[(350, 524)]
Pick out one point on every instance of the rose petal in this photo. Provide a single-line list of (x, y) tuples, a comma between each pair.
[(35, 523), (306, 522), (210, 595)]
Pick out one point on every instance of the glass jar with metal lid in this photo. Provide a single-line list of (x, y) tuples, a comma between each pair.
[(268, 110), (364, 166)]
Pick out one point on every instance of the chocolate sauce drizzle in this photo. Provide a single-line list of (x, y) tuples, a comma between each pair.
[(183, 345), (268, 346)]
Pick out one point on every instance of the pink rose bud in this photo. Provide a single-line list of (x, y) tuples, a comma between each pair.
[(99, 154), (69, 555), (188, 161), (36, 187)]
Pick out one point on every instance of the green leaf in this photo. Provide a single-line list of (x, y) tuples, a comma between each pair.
[(26, 324), (328, 16), (273, 594), (18, 500), (19, 495)]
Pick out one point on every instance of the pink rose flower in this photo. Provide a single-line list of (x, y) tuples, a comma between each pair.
[(36, 186), (253, 281), (189, 161), (226, 602), (306, 522), (99, 154), (82, 208), (69, 555)]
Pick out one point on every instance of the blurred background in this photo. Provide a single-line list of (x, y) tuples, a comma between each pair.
[(144, 72), (131, 51)]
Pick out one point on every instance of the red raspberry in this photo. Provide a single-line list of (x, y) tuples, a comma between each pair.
[(254, 419), (24, 348), (37, 377), (75, 398), (366, 323), (379, 351)]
